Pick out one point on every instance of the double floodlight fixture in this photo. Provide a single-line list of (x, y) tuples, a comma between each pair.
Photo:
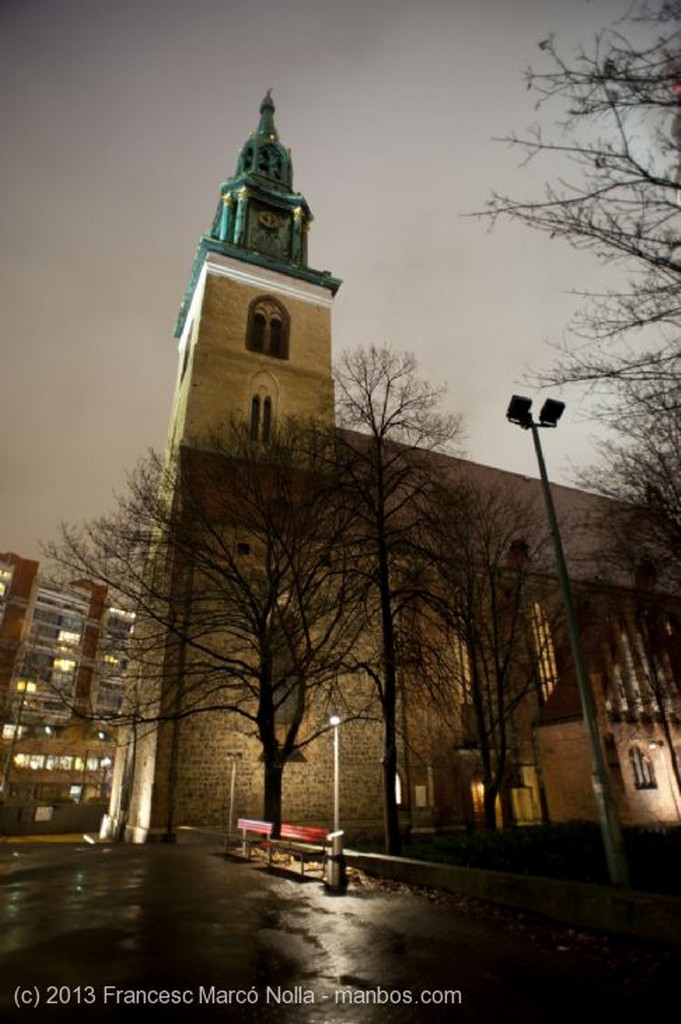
[(520, 411)]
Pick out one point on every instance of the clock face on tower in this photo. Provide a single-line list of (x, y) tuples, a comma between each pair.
[(269, 231)]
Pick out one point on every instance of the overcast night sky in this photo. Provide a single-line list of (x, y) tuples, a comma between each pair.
[(120, 120)]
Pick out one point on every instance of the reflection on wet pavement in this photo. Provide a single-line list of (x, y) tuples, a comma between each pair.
[(95, 932)]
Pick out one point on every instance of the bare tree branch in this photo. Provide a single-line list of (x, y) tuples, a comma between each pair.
[(615, 193)]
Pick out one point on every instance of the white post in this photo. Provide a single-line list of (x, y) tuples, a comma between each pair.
[(335, 722)]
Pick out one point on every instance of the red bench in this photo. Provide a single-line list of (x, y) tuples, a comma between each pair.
[(300, 842), (253, 833)]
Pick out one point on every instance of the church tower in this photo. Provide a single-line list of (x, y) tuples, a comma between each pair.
[(254, 328), (254, 333)]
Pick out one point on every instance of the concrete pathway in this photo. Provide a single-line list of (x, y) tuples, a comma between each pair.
[(108, 932)]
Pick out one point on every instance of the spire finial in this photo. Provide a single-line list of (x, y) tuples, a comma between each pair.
[(266, 126)]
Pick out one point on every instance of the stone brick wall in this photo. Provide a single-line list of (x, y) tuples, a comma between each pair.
[(212, 748), (222, 372), (566, 769)]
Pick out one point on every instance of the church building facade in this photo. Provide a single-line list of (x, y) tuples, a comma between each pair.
[(254, 336)]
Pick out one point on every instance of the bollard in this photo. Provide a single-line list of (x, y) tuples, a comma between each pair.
[(335, 875)]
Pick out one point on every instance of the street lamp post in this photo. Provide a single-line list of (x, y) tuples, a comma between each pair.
[(519, 412), (232, 759), (335, 874), (335, 721)]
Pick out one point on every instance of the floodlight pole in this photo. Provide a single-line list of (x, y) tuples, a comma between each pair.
[(611, 830)]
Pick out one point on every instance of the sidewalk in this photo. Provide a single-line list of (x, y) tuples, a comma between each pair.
[(104, 930), (61, 838)]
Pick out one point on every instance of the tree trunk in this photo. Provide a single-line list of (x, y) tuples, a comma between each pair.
[(393, 840), (274, 771), (490, 805)]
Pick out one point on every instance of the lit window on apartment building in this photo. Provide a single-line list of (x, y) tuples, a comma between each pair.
[(11, 730), (64, 763), (6, 574), (32, 761), (64, 665), (68, 638)]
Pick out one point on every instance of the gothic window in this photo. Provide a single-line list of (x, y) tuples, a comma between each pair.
[(255, 418), (261, 419), (268, 328), (266, 420), (478, 799), (546, 656), (629, 667), (631, 671), (642, 767), (276, 337), (258, 334)]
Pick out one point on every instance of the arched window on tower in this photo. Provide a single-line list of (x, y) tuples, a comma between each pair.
[(266, 420), (276, 337), (268, 328), (258, 334), (261, 419), (255, 418)]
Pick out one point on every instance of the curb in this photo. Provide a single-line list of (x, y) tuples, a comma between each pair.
[(628, 912)]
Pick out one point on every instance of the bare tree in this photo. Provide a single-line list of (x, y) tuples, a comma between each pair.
[(617, 128), (615, 151), (640, 469), (498, 608), (389, 423), (233, 558)]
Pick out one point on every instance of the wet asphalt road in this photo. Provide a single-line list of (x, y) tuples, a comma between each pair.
[(109, 932)]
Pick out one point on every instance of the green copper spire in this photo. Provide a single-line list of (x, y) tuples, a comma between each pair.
[(263, 154), (260, 219)]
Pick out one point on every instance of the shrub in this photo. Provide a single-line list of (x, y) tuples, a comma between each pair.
[(573, 851)]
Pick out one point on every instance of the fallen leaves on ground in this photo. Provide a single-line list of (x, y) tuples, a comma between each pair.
[(637, 965)]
